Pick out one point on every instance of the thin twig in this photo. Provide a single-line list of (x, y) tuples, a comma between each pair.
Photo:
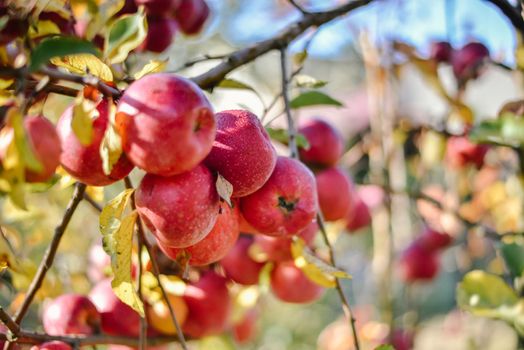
[(9, 322), (291, 130), (200, 60), (92, 202), (298, 7), (156, 270)]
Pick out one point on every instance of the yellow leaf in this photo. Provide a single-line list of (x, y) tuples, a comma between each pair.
[(43, 28), (58, 6), (96, 193), (15, 120), (66, 180), (84, 63), (5, 83), (8, 257), (224, 189), (111, 145), (84, 111), (154, 66), (112, 213), (173, 284), (313, 267)]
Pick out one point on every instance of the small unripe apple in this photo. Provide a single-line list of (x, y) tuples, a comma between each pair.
[(417, 263), (441, 51), (468, 60), (216, 244), (286, 203), (159, 7), (159, 317), (166, 123), (359, 216), (179, 210), (160, 34), (117, 317), (289, 284), (335, 193), (44, 142), (84, 162), (209, 306), (245, 330), (71, 314), (242, 152), (52, 345), (191, 15), (460, 151), (239, 266), (325, 143)]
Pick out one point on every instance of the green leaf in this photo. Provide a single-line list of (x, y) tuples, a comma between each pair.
[(58, 46), (234, 84), (111, 145), (313, 98), (300, 57), (282, 136), (513, 254), (385, 347), (224, 189), (508, 130), (306, 81), (125, 35), (101, 14)]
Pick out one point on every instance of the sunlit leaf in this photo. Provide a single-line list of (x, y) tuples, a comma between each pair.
[(125, 35), (58, 46), (313, 98), (111, 145), (112, 213), (385, 347), (234, 84), (154, 66), (84, 111), (306, 81), (83, 64), (43, 28), (101, 14), (224, 189)]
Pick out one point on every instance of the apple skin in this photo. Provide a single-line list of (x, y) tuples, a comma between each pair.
[(160, 34), (286, 203), (238, 265), (158, 7), (44, 143), (335, 193), (209, 305), (460, 151), (402, 339), (179, 210), (417, 263), (289, 284), (71, 314), (441, 51), (325, 143), (216, 244), (52, 345), (166, 123), (358, 217), (245, 330), (117, 317), (279, 248), (434, 241), (468, 60), (242, 152), (191, 15), (159, 317), (84, 162)]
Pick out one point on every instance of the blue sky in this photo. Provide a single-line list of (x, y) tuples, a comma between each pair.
[(415, 21)]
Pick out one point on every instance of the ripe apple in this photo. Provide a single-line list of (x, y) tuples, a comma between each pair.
[(179, 210), (245, 330), (52, 345), (279, 248), (417, 263), (159, 317), (335, 193), (84, 162), (239, 266), (286, 203), (209, 306), (402, 339), (359, 216), (166, 123), (441, 51), (468, 60), (158, 7), (160, 34), (44, 143), (242, 151), (216, 244), (117, 317), (460, 151), (433, 240), (289, 284), (191, 15), (244, 226), (325, 143), (71, 314)]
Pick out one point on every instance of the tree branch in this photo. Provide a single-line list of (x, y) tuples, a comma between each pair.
[(238, 58), (291, 130), (511, 13), (298, 7), (9, 322)]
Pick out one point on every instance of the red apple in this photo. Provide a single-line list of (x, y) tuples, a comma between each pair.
[(286, 203), (166, 123), (433, 240), (179, 210), (325, 143), (468, 60), (417, 263), (359, 216), (335, 193), (460, 151), (242, 151), (71, 314), (117, 317), (52, 345), (289, 284), (159, 7), (44, 143), (245, 330), (123, 347), (216, 244), (402, 339), (160, 34), (244, 226), (84, 162), (191, 15), (279, 248), (441, 51), (239, 266), (209, 306)]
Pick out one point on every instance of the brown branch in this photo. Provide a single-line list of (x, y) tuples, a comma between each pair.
[(54, 88), (291, 130), (9, 322), (298, 7), (511, 13), (238, 58)]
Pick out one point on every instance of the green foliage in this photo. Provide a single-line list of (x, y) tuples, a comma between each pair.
[(125, 35), (281, 135), (513, 254), (59, 46), (313, 98), (508, 130)]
